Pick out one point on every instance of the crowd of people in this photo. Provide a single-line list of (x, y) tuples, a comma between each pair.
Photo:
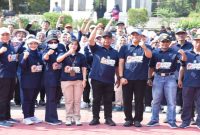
[(99, 66)]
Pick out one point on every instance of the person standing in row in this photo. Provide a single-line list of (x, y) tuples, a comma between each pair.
[(133, 71), (164, 64), (52, 70), (73, 81), (189, 78), (31, 74), (8, 68), (104, 67)]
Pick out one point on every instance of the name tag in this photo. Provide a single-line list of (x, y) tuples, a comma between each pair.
[(134, 59), (12, 57), (193, 66), (56, 66), (69, 69), (37, 68), (163, 65), (76, 69), (109, 62)]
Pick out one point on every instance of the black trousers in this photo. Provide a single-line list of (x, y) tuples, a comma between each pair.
[(17, 97), (51, 104), (6, 94), (148, 96), (86, 92), (105, 91), (179, 99), (136, 87), (28, 105)]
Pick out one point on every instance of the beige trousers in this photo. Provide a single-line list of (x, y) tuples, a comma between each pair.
[(72, 91)]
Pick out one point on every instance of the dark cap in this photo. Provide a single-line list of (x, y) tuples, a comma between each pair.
[(180, 30), (51, 37), (197, 37), (107, 34), (120, 22), (164, 37)]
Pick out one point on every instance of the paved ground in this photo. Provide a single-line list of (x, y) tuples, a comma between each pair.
[(118, 117)]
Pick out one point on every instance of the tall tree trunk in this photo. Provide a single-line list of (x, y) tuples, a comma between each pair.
[(10, 5)]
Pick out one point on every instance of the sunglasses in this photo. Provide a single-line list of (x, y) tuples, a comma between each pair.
[(53, 42)]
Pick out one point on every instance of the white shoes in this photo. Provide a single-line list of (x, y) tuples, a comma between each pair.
[(28, 121), (78, 123), (35, 120), (178, 109), (148, 109)]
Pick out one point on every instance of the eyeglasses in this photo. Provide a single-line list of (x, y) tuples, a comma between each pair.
[(53, 42)]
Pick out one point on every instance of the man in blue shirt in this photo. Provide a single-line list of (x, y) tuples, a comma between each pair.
[(184, 45), (189, 78), (164, 63), (133, 72), (104, 67)]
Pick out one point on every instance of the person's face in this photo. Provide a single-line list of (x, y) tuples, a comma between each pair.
[(5, 37), (120, 26), (84, 39), (68, 29), (33, 45), (99, 31), (20, 35), (143, 38), (73, 46), (181, 36), (41, 37), (135, 38), (45, 25), (11, 28), (106, 41), (196, 44), (66, 38), (164, 45), (122, 41)]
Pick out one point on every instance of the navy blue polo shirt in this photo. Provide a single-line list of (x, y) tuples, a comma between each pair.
[(192, 72), (52, 69), (164, 61), (186, 47), (31, 79), (8, 68), (76, 61), (104, 63), (136, 63)]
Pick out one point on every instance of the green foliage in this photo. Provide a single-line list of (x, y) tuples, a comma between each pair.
[(53, 18), (166, 14), (189, 23), (194, 15), (137, 17), (103, 21), (38, 7)]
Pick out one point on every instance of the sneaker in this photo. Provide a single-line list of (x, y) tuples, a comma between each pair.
[(128, 123), (173, 125), (165, 120), (94, 122), (54, 123), (184, 125), (178, 109), (68, 123), (137, 124), (35, 120), (110, 122), (84, 105), (148, 109), (164, 109), (193, 122), (28, 121), (78, 123), (5, 124), (13, 121), (152, 124)]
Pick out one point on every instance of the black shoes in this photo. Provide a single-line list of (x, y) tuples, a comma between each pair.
[(137, 124), (128, 124), (184, 125), (110, 122), (94, 122)]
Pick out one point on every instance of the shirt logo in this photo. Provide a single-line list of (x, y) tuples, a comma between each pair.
[(193, 66), (134, 59), (76, 69), (109, 61), (163, 65)]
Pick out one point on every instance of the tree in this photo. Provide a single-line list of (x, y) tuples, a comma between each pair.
[(137, 17), (166, 14), (10, 5)]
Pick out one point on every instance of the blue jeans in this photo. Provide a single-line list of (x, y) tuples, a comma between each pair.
[(164, 86)]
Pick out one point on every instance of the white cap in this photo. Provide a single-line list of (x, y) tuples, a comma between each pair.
[(31, 40), (4, 30)]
